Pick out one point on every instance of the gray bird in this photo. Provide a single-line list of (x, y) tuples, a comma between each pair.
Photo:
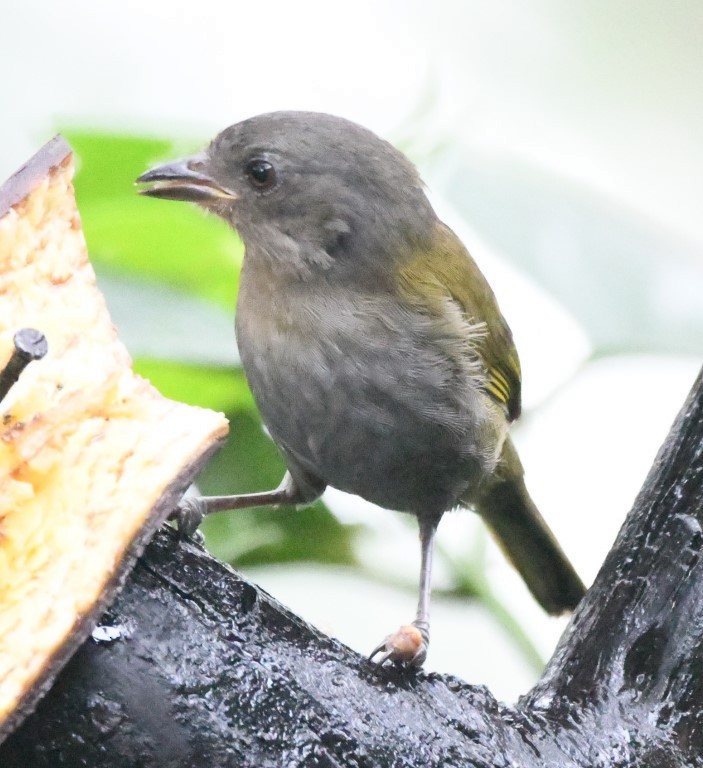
[(372, 343)]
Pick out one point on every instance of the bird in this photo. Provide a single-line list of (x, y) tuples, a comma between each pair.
[(373, 345)]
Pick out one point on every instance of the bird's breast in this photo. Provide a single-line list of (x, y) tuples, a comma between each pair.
[(356, 388)]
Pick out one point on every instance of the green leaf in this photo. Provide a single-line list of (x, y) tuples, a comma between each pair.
[(109, 163), (167, 242), (153, 239), (220, 389), (250, 462)]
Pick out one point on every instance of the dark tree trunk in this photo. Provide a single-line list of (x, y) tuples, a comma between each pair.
[(208, 670)]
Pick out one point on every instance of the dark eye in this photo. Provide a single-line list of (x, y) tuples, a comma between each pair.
[(261, 174)]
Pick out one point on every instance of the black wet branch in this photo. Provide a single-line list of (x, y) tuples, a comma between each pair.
[(208, 670)]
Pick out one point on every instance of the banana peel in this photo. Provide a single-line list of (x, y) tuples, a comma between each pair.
[(92, 458)]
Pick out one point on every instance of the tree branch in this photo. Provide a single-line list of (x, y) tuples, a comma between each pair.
[(207, 669)]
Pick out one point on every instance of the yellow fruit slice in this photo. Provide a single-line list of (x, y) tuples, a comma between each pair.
[(92, 457)]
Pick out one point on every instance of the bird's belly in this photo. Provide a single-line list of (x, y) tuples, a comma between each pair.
[(400, 461), (381, 424)]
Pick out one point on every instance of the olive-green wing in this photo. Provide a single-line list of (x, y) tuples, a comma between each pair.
[(447, 271)]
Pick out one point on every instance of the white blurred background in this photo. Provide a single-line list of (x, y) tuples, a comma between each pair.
[(563, 141)]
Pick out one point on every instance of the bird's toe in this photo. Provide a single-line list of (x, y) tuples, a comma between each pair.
[(406, 646)]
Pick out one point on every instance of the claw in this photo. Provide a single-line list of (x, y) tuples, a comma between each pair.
[(385, 649), (188, 515), (408, 645)]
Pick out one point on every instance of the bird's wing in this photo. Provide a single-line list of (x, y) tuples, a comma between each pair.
[(447, 273)]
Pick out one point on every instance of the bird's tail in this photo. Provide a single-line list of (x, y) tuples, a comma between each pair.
[(512, 517)]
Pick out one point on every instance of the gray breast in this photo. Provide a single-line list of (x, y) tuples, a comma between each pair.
[(364, 396)]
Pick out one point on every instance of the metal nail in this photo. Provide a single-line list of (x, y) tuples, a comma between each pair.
[(30, 344)]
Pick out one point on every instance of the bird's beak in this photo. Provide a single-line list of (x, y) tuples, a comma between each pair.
[(186, 179)]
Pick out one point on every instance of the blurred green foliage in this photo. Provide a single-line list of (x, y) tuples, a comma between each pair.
[(176, 245)]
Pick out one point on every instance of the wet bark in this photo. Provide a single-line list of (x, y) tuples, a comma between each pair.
[(198, 667)]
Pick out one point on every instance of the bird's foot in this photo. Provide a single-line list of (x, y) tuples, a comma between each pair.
[(188, 515), (406, 646)]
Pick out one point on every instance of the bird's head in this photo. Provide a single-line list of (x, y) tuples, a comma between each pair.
[(306, 190)]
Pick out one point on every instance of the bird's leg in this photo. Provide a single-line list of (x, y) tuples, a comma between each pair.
[(422, 619), (192, 509), (409, 643)]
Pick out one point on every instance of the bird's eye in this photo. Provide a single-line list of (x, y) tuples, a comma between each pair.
[(261, 174)]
